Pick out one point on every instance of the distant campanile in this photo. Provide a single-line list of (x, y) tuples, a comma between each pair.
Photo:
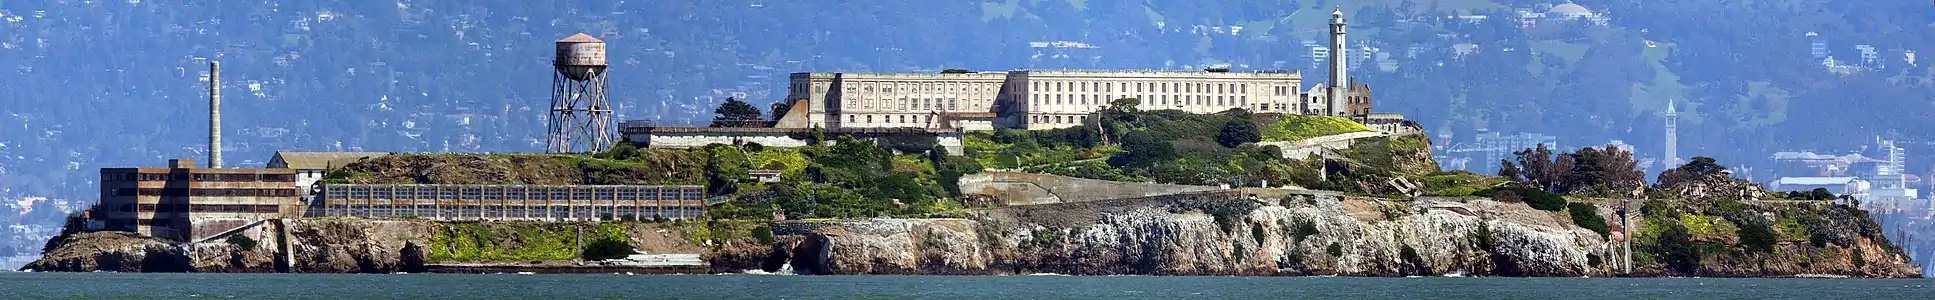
[(580, 115), (1672, 136)]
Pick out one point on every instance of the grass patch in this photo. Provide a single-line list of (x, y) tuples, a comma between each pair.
[(522, 241), (1459, 184), (1708, 226), (1296, 127)]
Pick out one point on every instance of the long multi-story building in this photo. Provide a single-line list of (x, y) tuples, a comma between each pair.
[(510, 202), (1032, 99), (876, 100), (1049, 99), (1060, 99), (183, 202)]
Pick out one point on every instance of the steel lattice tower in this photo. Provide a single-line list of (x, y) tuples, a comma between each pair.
[(580, 115)]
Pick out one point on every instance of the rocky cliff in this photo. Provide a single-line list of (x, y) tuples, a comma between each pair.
[(1239, 233), (354, 246)]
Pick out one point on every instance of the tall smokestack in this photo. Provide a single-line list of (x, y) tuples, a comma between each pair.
[(214, 114)]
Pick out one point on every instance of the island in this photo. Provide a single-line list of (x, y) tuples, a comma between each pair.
[(1138, 192)]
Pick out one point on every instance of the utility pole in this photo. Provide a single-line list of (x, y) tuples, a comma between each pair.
[(1626, 228)]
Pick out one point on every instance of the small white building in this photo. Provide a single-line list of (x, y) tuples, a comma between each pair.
[(313, 166)]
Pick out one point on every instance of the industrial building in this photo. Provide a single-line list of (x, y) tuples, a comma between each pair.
[(510, 202), (183, 202)]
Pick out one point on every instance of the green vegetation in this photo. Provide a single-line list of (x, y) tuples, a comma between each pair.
[(1298, 127), (1335, 250), (1013, 148), (241, 241), (608, 248), (1587, 216), (1459, 183), (850, 178), (522, 241), (1536, 198), (1816, 194)]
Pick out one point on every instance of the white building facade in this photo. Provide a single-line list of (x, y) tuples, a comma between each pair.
[(1061, 99)]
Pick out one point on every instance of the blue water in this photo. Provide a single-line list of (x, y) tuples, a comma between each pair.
[(439, 286)]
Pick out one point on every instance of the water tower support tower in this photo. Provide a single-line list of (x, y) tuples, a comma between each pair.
[(580, 115)]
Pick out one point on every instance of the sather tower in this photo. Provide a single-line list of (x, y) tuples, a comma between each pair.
[(1672, 159)]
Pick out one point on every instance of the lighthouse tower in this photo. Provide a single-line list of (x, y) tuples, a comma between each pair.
[(1339, 71)]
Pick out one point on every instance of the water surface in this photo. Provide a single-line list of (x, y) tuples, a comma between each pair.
[(508, 286)]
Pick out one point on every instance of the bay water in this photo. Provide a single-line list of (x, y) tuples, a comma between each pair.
[(614, 286)]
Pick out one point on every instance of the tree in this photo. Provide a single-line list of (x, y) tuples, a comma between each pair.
[(1142, 149), (1510, 171), (735, 113), (1596, 171), (1539, 169), (1820, 194), (1702, 166), (1124, 105), (1238, 132), (1699, 167), (779, 110)]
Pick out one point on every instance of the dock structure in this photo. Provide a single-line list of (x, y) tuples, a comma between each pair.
[(510, 202)]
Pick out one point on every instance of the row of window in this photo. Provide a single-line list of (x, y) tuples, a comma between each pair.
[(511, 193), (194, 208), (1160, 101), (869, 87), (132, 176), (1057, 119), (1147, 87), (202, 192), (489, 212), (903, 119), (913, 104)]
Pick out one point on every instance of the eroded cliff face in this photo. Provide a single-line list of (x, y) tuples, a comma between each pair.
[(1211, 234), (1230, 234)]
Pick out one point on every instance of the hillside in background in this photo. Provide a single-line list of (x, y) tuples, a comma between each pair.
[(94, 84)]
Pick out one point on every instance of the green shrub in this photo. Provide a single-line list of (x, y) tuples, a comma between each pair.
[(1541, 200), (1757, 236), (241, 241), (1587, 216), (764, 234), (605, 248), (1305, 228), (1335, 250), (1676, 247)]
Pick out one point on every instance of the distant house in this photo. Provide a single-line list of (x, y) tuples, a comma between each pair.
[(313, 166)]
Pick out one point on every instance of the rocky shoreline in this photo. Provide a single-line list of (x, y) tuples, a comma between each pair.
[(1234, 232)]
